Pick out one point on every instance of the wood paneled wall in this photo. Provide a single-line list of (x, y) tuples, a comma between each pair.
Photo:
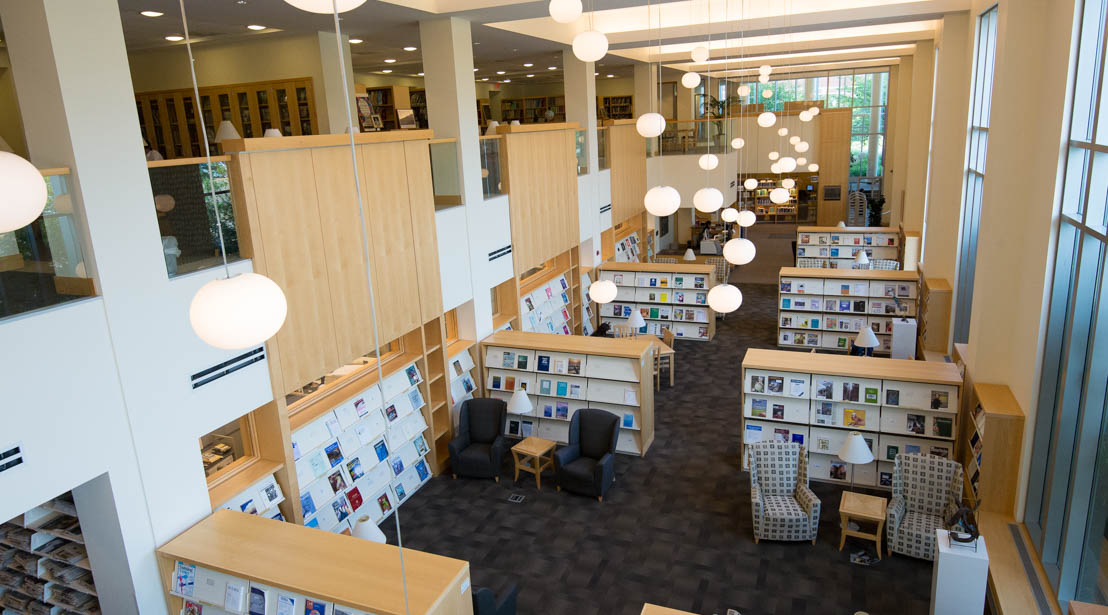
[(834, 163), (542, 169), (627, 155)]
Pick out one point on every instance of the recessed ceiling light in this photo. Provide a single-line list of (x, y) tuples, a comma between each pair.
[(410, 48), (477, 43), (475, 70), (506, 81), (595, 74), (355, 41), (484, 78), (390, 60), (174, 38), (528, 65), (151, 13), (610, 76), (551, 68), (255, 27), (387, 71), (530, 75), (500, 72), (419, 75)]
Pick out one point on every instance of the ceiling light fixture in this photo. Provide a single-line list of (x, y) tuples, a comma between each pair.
[(390, 60), (326, 6), (24, 192), (500, 72), (690, 80), (724, 298), (529, 76), (528, 65), (475, 70), (255, 27), (610, 76), (151, 13), (484, 78), (410, 48), (387, 71), (356, 41), (662, 201), (419, 74), (551, 68), (565, 11), (590, 46), (506, 81), (699, 54), (173, 38)]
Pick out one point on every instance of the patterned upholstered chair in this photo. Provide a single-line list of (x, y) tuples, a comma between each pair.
[(926, 492), (784, 507)]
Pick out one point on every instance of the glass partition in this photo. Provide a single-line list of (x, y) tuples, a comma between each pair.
[(445, 174), (491, 183), (43, 263), (183, 200), (602, 147), (582, 149), (694, 136)]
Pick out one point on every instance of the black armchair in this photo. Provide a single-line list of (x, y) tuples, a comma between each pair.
[(478, 448), (587, 465), (486, 603)]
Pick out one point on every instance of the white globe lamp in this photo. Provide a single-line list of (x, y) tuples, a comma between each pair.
[(25, 190), (788, 182), (765, 69), (729, 215), (782, 131), (724, 298), (750, 183), (708, 200), (766, 119), (590, 46), (767, 93), (747, 218), (813, 167), (802, 147), (739, 251), (238, 312), (775, 168), (773, 155), (690, 80), (662, 201), (700, 54), (801, 161), (326, 6), (564, 11), (779, 195), (805, 116), (738, 143), (794, 139), (603, 291), (763, 78), (814, 110), (650, 125), (708, 162), (787, 164), (744, 90)]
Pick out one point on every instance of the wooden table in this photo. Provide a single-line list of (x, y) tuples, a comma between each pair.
[(664, 350), (533, 455), (861, 507)]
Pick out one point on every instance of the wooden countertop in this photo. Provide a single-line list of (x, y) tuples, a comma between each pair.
[(331, 567), (858, 367), (847, 229), (660, 267), (576, 344), (507, 129), (261, 144), (653, 609), (851, 274)]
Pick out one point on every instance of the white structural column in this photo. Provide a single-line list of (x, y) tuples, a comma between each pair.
[(333, 91), (593, 189), (646, 88), (919, 129)]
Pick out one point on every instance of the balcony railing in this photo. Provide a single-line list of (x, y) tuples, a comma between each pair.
[(445, 172), (582, 149), (492, 182)]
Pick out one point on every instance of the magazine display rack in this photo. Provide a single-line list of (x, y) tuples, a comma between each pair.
[(836, 246), (669, 296), (826, 308), (899, 406), (991, 448), (563, 374)]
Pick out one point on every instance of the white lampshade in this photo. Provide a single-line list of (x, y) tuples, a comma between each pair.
[(24, 192), (861, 258), (767, 119), (788, 182), (708, 200), (708, 162), (272, 132), (805, 116), (794, 139), (636, 321), (689, 255), (366, 529), (750, 183), (590, 46), (4, 147), (514, 123), (662, 201), (779, 195), (773, 155), (739, 251), (564, 11), (814, 110), (782, 131), (744, 90), (866, 339), (738, 143), (854, 449), (326, 6), (699, 54), (520, 403), (813, 167), (775, 168), (801, 161), (729, 215), (767, 93), (763, 78), (747, 218), (787, 164), (650, 125), (724, 298), (490, 128), (841, 224), (238, 312), (603, 291), (226, 131), (690, 80), (802, 147), (765, 69)]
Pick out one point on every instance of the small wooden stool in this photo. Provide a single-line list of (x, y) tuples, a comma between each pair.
[(533, 455), (862, 508)]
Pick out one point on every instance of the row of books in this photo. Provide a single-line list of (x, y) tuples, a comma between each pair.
[(628, 249), (846, 252), (869, 391), (547, 309), (847, 239), (657, 312), (866, 288), (852, 416), (656, 280), (201, 587)]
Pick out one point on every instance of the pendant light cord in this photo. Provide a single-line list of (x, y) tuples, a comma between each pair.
[(368, 271), (204, 134)]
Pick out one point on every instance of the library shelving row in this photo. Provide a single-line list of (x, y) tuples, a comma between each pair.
[(669, 296), (991, 447), (550, 297), (899, 406), (615, 107), (532, 110), (757, 200), (836, 247)]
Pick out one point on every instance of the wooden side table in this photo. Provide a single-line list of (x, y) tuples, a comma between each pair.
[(861, 507), (533, 455)]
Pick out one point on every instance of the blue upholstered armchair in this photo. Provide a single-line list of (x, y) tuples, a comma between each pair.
[(478, 447), (587, 465), (486, 603)]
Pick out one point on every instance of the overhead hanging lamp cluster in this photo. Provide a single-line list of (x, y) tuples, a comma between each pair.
[(588, 46), (25, 190)]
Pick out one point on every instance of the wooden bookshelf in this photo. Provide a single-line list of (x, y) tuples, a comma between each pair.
[(935, 300), (757, 200), (387, 100), (615, 375), (992, 442), (835, 247), (661, 291), (616, 107), (898, 405), (532, 110), (418, 100), (557, 311), (484, 113)]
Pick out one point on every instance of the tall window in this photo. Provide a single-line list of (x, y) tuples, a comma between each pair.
[(1067, 495), (976, 148)]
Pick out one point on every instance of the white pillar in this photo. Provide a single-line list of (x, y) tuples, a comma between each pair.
[(580, 92), (919, 132), (333, 91), (646, 88)]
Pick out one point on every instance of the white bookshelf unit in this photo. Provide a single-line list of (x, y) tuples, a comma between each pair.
[(899, 406), (563, 374), (836, 247), (669, 296), (826, 308)]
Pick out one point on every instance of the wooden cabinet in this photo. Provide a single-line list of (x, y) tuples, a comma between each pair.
[(387, 100), (615, 107), (993, 441), (169, 122)]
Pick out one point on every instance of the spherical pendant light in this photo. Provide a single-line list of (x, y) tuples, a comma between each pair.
[(739, 251), (590, 46), (802, 147), (708, 200), (788, 182), (782, 131), (747, 218), (779, 195), (765, 69), (650, 125), (564, 11), (750, 183), (787, 164), (700, 54), (729, 215), (238, 312), (690, 80), (603, 291), (813, 167), (25, 190), (766, 119), (767, 93), (773, 155), (744, 90), (794, 139), (708, 162), (774, 168), (805, 116), (801, 161), (326, 6), (662, 201), (738, 143), (814, 110), (763, 78), (724, 298)]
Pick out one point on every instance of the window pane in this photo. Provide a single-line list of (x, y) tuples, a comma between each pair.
[(1073, 195), (990, 61), (225, 445), (860, 121), (1088, 67), (1098, 186)]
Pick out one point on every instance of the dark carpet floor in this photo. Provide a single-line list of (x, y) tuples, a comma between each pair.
[(676, 527)]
